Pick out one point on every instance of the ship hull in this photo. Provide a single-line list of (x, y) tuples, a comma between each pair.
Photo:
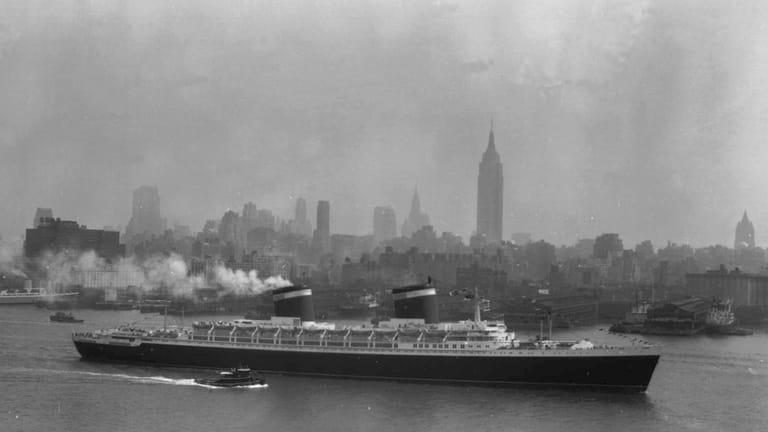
[(18, 300), (629, 373)]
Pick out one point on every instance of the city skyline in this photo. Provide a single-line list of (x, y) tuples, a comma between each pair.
[(744, 229), (642, 119)]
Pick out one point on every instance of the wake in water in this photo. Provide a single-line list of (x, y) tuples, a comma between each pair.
[(139, 379)]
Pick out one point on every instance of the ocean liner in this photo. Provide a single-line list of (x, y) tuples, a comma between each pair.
[(412, 346), (32, 296)]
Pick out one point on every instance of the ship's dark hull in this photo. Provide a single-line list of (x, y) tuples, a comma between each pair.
[(606, 372)]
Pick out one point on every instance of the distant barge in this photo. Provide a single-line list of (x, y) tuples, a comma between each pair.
[(681, 318)]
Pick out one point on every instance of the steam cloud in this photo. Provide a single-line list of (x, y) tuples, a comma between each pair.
[(10, 259), (241, 282), (171, 272)]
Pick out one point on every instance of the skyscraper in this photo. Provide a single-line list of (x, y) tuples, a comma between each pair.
[(248, 218), (56, 235), (416, 219), (300, 224), (40, 214), (608, 244), (265, 219), (384, 224), (301, 210), (249, 211), (322, 238), (490, 194), (745, 233), (146, 219)]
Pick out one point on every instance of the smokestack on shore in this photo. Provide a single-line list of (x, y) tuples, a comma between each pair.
[(294, 301), (416, 301)]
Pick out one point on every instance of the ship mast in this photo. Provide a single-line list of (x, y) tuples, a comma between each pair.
[(549, 318), (477, 307)]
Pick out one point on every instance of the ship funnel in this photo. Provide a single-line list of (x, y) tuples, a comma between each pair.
[(294, 301), (416, 301)]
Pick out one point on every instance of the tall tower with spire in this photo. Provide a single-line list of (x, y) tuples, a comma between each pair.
[(416, 219), (745, 233), (490, 193)]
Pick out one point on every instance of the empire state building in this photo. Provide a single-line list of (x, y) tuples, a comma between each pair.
[(490, 194)]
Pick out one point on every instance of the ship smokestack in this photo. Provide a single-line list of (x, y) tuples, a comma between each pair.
[(416, 301), (294, 301)]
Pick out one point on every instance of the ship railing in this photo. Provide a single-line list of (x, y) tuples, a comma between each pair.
[(322, 338), (394, 338), (499, 351)]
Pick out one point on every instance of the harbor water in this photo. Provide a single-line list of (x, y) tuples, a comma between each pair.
[(702, 383)]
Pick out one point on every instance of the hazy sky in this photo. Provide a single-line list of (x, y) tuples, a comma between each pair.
[(643, 118)]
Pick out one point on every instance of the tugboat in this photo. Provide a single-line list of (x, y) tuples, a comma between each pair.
[(64, 317), (722, 321), (240, 376), (634, 320)]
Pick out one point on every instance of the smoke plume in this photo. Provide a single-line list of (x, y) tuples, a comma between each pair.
[(68, 268), (241, 282)]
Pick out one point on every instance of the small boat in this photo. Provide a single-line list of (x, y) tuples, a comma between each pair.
[(64, 317), (241, 376)]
